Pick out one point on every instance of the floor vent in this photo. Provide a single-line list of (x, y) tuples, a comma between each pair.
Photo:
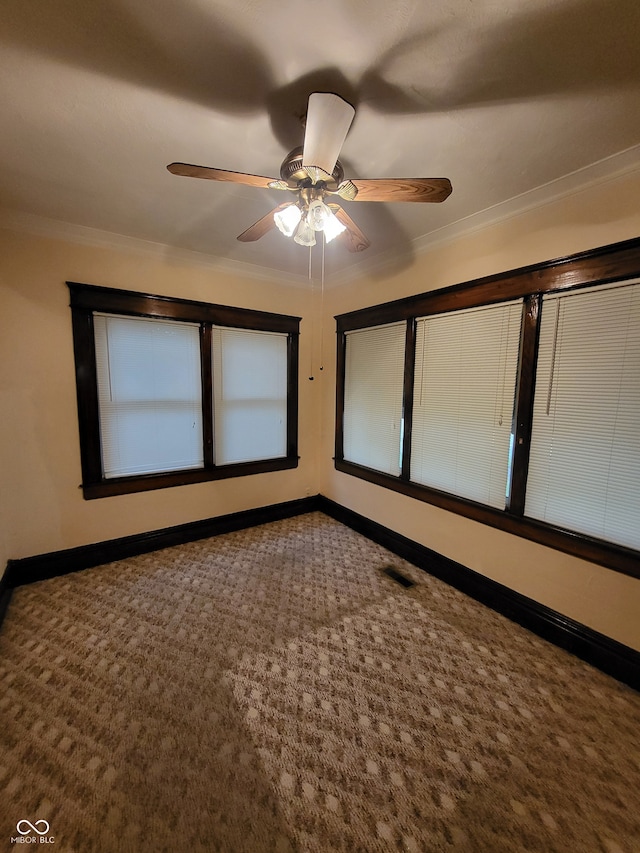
[(395, 575)]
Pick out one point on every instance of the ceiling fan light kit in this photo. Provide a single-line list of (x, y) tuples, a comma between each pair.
[(314, 172), (308, 215)]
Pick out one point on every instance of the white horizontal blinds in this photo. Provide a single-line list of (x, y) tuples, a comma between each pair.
[(465, 377), (584, 468), (150, 395), (373, 391), (250, 395)]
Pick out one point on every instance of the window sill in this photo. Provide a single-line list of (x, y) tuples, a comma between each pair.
[(620, 559), (150, 482)]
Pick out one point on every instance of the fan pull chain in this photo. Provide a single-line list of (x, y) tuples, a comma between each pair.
[(311, 376), (324, 243)]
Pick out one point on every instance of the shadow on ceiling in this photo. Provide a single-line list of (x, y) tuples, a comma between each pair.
[(577, 46), (189, 52)]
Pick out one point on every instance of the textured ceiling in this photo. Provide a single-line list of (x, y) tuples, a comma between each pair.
[(501, 96)]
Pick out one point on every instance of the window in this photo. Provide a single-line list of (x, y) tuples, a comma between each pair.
[(465, 371), (373, 397), (250, 395), (513, 400), (584, 468), (149, 395), (173, 392)]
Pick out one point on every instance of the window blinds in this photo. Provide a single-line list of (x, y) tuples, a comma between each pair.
[(250, 395), (149, 395), (584, 469), (465, 376), (374, 370)]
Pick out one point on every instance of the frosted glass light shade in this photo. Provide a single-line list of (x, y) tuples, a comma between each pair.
[(318, 215), (305, 235), (333, 227), (287, 219)]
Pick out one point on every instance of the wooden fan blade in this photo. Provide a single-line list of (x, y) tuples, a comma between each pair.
[(261, 227), (187, 170), (403, 189), (353, 236)]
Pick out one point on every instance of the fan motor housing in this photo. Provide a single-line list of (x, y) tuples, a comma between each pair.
[(293, 172)]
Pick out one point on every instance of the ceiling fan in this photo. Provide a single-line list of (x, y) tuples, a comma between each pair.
[(315, 176)]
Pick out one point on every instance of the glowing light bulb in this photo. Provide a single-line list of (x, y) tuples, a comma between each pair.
[(287, 219), (333, 227)]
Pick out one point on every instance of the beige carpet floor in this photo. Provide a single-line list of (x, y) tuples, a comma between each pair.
[(273, 690)]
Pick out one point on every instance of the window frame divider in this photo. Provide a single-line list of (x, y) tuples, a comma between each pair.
[(523, 409), (206, 367), (292, 395), (87, 395), (341, 357), (407, 396)]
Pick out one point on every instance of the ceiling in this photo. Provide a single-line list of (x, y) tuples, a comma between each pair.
[(501, 96)]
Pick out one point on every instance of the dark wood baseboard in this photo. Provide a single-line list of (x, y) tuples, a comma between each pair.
[(600, 651), (31, 569), (5, 596), (610, 656)]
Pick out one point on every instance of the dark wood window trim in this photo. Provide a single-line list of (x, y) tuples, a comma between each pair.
[(407, 395), (525, 388), (86, 299), (604, 265)]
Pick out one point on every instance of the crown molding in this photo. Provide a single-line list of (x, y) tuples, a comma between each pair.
[(29, 223), (603, 171)]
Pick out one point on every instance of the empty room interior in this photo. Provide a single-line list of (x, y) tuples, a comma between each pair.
[(320, 456)]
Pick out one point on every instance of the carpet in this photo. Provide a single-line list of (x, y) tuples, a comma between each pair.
[(274, 690)]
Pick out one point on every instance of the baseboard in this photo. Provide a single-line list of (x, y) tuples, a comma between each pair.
[(31, 569), (610, 656), (600, 651), (5, 596)]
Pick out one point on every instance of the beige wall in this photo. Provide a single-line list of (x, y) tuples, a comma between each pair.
[(600, 598), (41, 504)]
